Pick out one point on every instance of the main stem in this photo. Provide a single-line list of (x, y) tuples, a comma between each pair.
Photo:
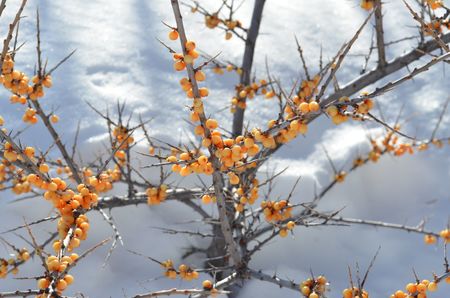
[(250, 42)]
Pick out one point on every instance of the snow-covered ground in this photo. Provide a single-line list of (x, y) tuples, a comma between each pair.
[(118, 58)]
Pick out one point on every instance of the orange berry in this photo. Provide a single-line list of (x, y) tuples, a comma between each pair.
[(54, 118), (190, 45), (43, 283), (185, 156), (179, 65), (173, 35), (305, 290), (429, 239), (211, 124), (203, 92), (432, 286), (202, 160), (234, 179), (200, 75), (185, 171), (61, 285), (29, 151), (411, 288), (304, 107), (290, 225), (206, 199), (171, 159), (207, 285), (68, 279), (314, 106), (44, 168)]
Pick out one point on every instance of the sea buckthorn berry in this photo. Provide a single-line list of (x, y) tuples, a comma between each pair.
[(432, 286), (314, 106), (430, 239), (68, 279), (211, 124), (47, 82), (43, 283), (185, 171), (179, 65), (195, 116), (270, 94), (204, 92), (445, 235), (171, 159), (199, 130), (367, 4), (313, 295), (194, 54), (200, 75), (434, 4), (44, 168), (234, 179), (54, 118), (305, 290), (304, 107), (290, 225), (207, 285), (411, 288), (332, 111), (173, 35), (190, 45), (29, 151), (283, 233), (202, 160), (61, 285), (185, 156), (206, 199)]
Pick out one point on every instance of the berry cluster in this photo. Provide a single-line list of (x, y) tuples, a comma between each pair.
[(57, 267), (249, 92), (184, 271), (156, 195), (79, 233), (219, 68), (181, 60), (435, 4), (122, 137), (213, 20), (188, 162), (290, 225), (104, 181), (314, 287), (418, 289), (340, 113), (10, 265), (276, 211), (354, 292), (246, 194)]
